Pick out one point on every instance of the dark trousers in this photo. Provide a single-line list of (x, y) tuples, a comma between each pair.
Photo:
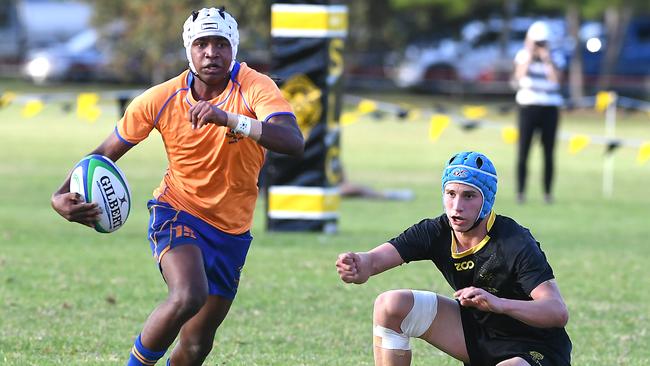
[(544, 120)]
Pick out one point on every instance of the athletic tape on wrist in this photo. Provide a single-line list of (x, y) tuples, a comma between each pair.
[(243, 125)]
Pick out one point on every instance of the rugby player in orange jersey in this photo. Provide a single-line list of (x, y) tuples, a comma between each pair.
[(216, 120)]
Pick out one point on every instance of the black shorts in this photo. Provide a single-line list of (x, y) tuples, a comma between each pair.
[(485, 350)]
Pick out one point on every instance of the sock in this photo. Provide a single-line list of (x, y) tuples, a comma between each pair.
[(141, 356)]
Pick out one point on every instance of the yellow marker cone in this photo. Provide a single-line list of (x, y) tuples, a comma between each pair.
[(87, 108), (7, 98), (367, 106), (439, 123), (348, 118), (474, 112), (644, 153), (603, 100), (510, 135), (578, 142), (32, 108)]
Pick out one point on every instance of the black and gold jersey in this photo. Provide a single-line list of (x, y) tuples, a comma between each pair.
[(508, 262)]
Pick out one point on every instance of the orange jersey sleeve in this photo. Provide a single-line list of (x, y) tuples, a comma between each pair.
[(141, 115)]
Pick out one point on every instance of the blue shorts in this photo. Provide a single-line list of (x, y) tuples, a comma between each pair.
[(223, 254)]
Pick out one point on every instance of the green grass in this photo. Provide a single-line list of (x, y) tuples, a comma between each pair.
[(70, 296)]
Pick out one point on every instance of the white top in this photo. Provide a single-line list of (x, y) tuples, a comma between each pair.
[(535, 88)]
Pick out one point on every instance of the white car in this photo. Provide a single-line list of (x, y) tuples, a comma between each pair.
[(82, 57), (479, 59)]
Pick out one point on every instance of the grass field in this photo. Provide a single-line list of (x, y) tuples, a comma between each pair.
[(70, 296)]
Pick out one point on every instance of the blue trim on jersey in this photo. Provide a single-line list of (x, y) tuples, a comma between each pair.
[(233, 75), (155, 121), (227, 96), (244, 99), (117, 133), (235, 72), (277, 114)]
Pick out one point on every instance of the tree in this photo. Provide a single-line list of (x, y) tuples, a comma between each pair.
[(617, 14), (151, 47)]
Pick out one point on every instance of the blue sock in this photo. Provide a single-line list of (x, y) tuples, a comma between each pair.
[(141, 356)]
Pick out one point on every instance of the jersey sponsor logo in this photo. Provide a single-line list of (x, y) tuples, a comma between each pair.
[(536, 356), (234, 137), (463, 266)]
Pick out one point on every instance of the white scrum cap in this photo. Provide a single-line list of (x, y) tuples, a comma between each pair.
[(210, 22), (539, 31)]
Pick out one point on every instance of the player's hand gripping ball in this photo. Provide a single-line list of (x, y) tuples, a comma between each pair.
[(99, 180)]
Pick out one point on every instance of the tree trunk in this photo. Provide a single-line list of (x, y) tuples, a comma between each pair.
[(576, 78), (616, 23)]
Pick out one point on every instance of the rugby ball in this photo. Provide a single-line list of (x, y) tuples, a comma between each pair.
[(99, 180)]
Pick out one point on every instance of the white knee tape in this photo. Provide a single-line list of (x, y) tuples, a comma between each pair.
[(419, 319), (390, 339)]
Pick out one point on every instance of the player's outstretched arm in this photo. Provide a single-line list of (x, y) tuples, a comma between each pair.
[(546, 309), (358, 267), (71, 206)]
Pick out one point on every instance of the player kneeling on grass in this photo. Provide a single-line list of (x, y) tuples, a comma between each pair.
[(507, 309), (216, 120)]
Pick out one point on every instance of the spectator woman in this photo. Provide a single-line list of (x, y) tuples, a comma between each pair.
[(537, 76)]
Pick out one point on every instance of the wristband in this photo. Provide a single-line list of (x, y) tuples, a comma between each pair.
[(243, 125)]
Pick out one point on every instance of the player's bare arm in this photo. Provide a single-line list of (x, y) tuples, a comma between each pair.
[(546, 310), (71, 206), (358, 267), (281, 134)]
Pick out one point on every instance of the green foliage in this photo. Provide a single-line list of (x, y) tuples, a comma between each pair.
[(70, 296), (593, 9), (152, 46), (452, 8)]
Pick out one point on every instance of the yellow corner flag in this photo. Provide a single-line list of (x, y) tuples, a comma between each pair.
[(32, 108), (578, 142), (644, 153), (510, 135), (87, 106), (439, 123)]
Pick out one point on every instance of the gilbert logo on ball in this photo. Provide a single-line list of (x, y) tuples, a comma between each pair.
[(99, 180)]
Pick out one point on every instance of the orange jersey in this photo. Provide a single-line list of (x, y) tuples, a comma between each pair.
[(212, 172)]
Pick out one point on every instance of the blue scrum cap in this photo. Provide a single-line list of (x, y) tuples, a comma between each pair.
[(476, 170)]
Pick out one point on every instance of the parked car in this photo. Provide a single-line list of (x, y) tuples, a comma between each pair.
[(631, 71), (83, 57), (478, 59), (29, 24)]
